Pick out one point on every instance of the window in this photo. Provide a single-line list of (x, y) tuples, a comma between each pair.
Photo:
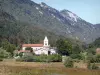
[(45, 43)]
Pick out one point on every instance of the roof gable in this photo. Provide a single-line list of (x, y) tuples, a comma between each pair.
[(32, 45)]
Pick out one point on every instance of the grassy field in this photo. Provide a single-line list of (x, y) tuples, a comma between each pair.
[(31, 68)]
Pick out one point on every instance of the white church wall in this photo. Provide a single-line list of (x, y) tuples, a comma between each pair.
[(44, 49), (23, 48), (41, 51), (53, 51)]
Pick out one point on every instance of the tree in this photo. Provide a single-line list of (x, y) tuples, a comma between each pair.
[(84, 55), (27, 57), (29, 48), (91, 51), (76, 56), (68, 62), (76, 50), (8, 46), (64, 47), (4, 54), (96, 43)]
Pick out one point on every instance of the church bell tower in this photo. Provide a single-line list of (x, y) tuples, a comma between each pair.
[(46, 41)]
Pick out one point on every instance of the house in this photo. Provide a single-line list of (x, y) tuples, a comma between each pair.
[(39, 49), (98, 51)]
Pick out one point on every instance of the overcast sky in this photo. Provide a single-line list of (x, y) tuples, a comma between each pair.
[(88, 10)]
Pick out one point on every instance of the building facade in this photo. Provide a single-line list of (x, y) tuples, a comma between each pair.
[(39, 49)]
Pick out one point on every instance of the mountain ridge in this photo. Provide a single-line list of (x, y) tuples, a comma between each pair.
[(64, 23)]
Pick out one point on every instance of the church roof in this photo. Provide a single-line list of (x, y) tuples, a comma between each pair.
[(32, 45)]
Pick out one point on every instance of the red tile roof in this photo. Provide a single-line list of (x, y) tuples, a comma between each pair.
[(32, 45)]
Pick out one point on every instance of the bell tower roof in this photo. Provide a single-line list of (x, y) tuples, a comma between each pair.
[(45, 38), (46, 42)]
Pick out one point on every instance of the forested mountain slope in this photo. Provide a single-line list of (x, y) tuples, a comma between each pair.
[(26, 20)]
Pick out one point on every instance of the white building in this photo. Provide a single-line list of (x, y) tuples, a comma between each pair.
[(39, 49)]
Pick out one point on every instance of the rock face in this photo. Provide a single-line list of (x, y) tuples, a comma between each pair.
[(42, 16)]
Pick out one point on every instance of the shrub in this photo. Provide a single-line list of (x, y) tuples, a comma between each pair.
[(94, 59), (41, 58), (20, 54), (1, 59), (76, 56), (8, 47), (54, 58), (19, 59), (47, 58), (97, 57), (76, 60), (68, 62), (4, 54), (91, 58), (27, 57), (89, 65), (92, 66)]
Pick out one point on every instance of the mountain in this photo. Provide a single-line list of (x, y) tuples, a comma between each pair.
[(28, 18), (97, 25)]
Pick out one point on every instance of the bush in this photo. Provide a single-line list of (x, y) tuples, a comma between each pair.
[(94, 58), (4, 54), (27, 57), (1, 59), (76, 60), (97, 57), (49, 58), (68, 62), (76, 56), (40, 58), (89, 65), (54, 58), (19, 59), (8, 47), (92, 66)]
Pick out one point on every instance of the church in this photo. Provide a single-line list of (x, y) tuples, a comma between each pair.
[(39, 49)]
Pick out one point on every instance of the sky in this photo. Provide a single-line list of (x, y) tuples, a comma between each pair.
[(88, 10)]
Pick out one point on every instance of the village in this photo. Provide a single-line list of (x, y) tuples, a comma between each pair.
[(39, 49), (43, 52), (49, 37), (41, 55)]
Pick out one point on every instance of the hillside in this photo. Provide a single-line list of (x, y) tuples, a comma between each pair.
[(18, 32), (28, 19)]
